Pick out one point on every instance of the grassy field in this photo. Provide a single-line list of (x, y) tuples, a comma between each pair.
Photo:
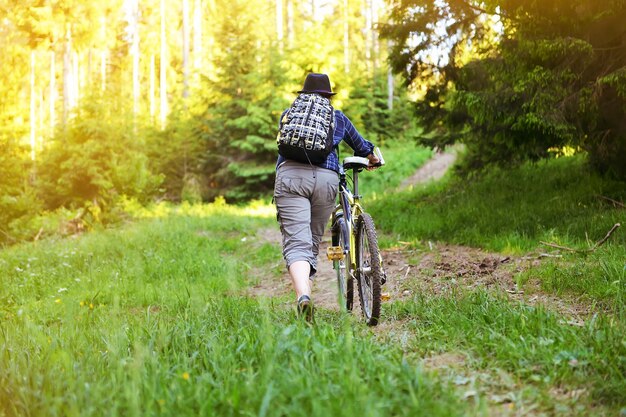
[(154, 318)]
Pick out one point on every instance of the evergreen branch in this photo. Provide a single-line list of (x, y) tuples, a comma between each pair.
[(610, 48), (485, 11)]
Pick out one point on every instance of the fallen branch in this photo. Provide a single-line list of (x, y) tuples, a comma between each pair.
[(554, 245), (549, 255), (591, 249), (540, 255), (408, 268), (615, 202)]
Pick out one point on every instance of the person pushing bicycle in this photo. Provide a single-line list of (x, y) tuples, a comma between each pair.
[(306, 185)]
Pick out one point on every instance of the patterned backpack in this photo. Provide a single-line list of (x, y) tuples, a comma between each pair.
[(306, 129)]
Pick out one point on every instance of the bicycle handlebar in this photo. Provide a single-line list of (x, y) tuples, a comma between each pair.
[(378, 153)]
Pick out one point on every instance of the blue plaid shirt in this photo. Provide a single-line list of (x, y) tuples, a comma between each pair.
[(344, 130)]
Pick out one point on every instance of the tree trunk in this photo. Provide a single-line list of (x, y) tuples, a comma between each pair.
[(103, 71), (135, 54), (291, 34), (390, 88), (374, 34), (152, 88), (185, 49), (103, 59), (41, 119), (89, 69), (67, 77), (197, 34), (163, 68), (366, 7), (346, 37), (390, 82), (76, 80), (52, 97), (280, 33), (279, 24), (210, 41), (33, 121)]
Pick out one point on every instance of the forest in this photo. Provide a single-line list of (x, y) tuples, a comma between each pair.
[(176, 100), (105, 102)]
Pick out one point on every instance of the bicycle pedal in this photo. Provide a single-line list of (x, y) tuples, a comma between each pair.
[(334, 253)]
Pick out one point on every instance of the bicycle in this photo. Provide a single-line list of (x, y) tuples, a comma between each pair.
[(354, 249)]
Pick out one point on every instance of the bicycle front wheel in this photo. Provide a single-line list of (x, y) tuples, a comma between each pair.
[(345, 282), (369, 271)]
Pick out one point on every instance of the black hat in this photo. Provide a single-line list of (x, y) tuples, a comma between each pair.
[(317, 83)]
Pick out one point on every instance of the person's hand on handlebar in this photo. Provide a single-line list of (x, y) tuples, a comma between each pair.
[(374, 162)]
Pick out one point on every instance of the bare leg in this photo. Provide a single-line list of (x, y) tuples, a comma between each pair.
[(299, 272)]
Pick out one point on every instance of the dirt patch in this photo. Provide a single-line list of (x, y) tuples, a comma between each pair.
[(444, 360), (267, 284), (444, 269), (438, 270), (324, 291)]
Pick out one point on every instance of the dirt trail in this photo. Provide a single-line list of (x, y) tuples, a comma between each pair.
[(432, 170), (438, 270), (324, 291)]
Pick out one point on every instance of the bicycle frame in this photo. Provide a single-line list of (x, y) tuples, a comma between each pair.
[(354, 249), (350, 208)]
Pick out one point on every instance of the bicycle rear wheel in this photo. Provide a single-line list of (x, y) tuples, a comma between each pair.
[(345, 283), (369, 271)]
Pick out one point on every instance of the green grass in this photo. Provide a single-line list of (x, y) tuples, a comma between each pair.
[(557, 201), (537, 346), (149, 320), (598, 278)]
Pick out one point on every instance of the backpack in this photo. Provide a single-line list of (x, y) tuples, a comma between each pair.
[(306, 129)]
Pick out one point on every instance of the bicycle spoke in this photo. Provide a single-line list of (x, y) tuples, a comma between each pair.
[(369, 273), (342, 266)]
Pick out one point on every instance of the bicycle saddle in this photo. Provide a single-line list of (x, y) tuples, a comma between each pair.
[(355, 162)]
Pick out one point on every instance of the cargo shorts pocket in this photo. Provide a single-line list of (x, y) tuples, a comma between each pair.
[(332, 188), (287, 186)]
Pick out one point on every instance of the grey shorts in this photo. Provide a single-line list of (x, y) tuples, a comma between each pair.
[(305, 198)]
